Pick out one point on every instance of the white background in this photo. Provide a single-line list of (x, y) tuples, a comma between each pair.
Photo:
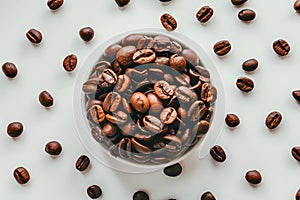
[(249, 146)]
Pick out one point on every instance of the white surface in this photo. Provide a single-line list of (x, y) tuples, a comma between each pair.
[(249, 146)]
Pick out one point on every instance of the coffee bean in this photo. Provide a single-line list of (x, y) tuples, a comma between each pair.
[(132, 39), (297, 195), (86, 34), (140, 147), (53, 148), (281, 47), (10, 70), (222, 47), (246, 15), (204, 14), (218, 153), (196, 111), (168, 115), (46, 99), (185, 95), (122, 3), (144, 56), (296, 94), (15, 129), (70, 62), (207, 92), (201, 128), (152, 123), (163, 90), (82, 163), (232, 120), (112, 102), (173, 170), (297, 5), (107, 78), (165, 0), (118, 117), (238, 2), (250, 65), (139, 102), (273, 119), (296, 153), (55, 4), (178, 63), (168, 22), (96, 114), (207, 196), (162, 44), (94, 191), (253, 176), (21, 175), (125, 55), (245, 84), (111, 50), (140, 195), (190, 56), (34, 36)]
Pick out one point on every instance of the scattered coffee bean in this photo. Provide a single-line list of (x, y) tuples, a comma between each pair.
[(140, 195), (297, 195), (246, 15), (204, 14), (165, 0), (296, 94), (122, 3), (253, 177), (222, 47), (297, 5), (53, 148), (21, 175), (70, 62), (55, 4), (86, 34), (94, 191), (296, 153), (281, 47), (15, 129), (173, 170), (34, 36), (46, 99), (250, 65), (245, 84), (232, 120), (273, 119), (218, 153), (10, 69), (207, 196), (168, 22), (82, 163), (238, 2)]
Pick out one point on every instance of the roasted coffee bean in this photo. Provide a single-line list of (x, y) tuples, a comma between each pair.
[(165, 0), (168, 22), (112, 102), (14, 129), (176, 48), (140, 195), (34, 36), (131, 39), (122, 3), (137, 75), (118, 117), (96, 113), (246, 15), (222, 47), (232, 120), (107, 78), (140, 147), (196, 111), (145, 43), (204, 14), (94, 191), (90, 86), (10, 70), (21, 175), (125, 54), (253, 176), (152, 123), (273, 119), (144, 56), (82, 163), (124, 147), (111, 50), (168, 115), (46, 99), (53, 148), (245, 84), (55, 4), (163, 90), (178, 63), (155, 103), (238, 2), (172, 143), (296, 153), (207, 92), (281, 47), (190, 56), (201, 128), (97, 134), (185, 95), (297, 196), (86, 34), (297, 8), (218, 153), (250, 65), (200, 73), (109, 129), (123, 83), (70, 62), (208, 196), (296, 94), (139, 102), (173, 170), (162, 44)]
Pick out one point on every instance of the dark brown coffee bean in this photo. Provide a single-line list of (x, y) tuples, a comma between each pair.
[(297, 5), (10, 70), (90, 86), (222, 47), (53, 148), (34, 36), (97, 134), (296, 153), (15, 129), (204, 14), (112, 102), (131, 39), (123, 83), (21, 175), (162, 43), (178, 63), (82, 163), (118, 117), (122, 3), (86, 33), (140, 195), (246, 15), (185, 95), (208, 196), (190, 56), (55, 4), (218, 153), (238, 2), (144, 56), (168, 115), (70, 62), (152, 123), (250, 65), (125, 54), (296, 94), (163, 90), (155, 103), (253, 176), (168, 22), (196, 111), (96, 113), (281, 47), (107, 78), (109, 130), (232, 120), (139, 102), (173, 170), (201, 128), (165, 0), (207, 93), (172, 143), (273, 119), (46, 99), (140, 147), (94, 191), (111, 50), (245, 84)]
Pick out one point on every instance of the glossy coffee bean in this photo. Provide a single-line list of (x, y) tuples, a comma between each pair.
[(125, 54), (168, 115), (218, 153), (190, 56), (139, 102), (86, 34), (163, 90), (94, 191), (185, 95), (53, 148), (297, 195), (204, 14), (207, 92), (34, 36), (144, 56), (14, 129), (70, 62), (123, 83), (173, 170), (253, 176), (10, 70), (297, 5), (296, 95), (111, 50), (222, 47), (250, 65), (238, 2), (208, 196), (245, 84), (131, 39), (196, 111), (96, 114), (296, 153), (168, 22), (46, 99), (55, 4), (162, 44), (232, 120), (112, 101), (152, 123), (107, 78), (21, 175), (178, 63), (140, 195), (118, 117), (281, 47), (122, 3), (273, 120), (246, 15), (82, 163), (155, 103)]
